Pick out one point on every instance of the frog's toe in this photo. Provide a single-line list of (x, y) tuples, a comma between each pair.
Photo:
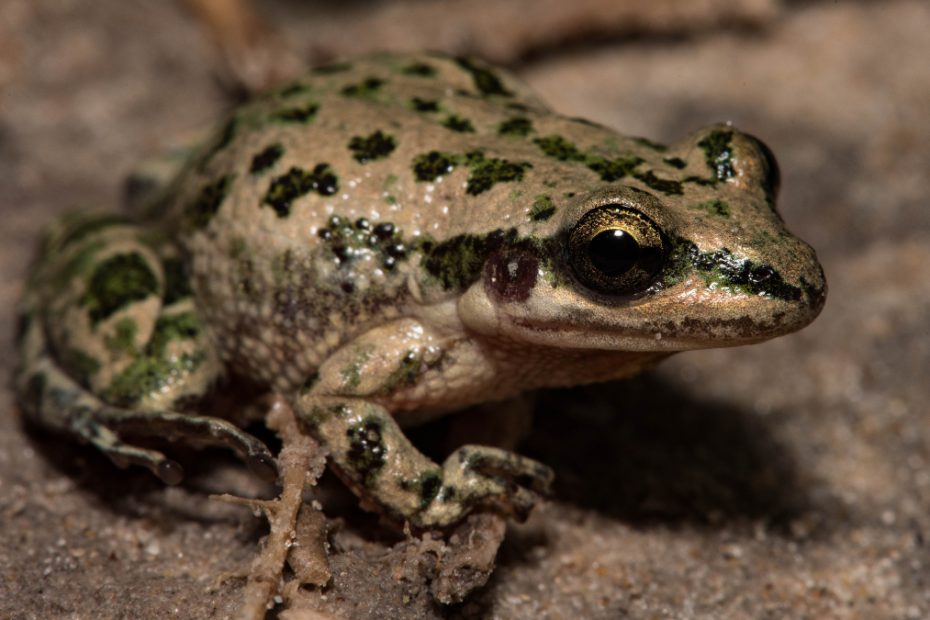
[(484, 477), (196, 431), (123, 455), (501, 464)]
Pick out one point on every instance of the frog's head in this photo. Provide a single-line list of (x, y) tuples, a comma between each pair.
[(703, 261)]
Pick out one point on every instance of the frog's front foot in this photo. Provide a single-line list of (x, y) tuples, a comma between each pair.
[(371, 453), (484, 476)]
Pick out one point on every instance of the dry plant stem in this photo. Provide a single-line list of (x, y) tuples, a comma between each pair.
[(300, 463)]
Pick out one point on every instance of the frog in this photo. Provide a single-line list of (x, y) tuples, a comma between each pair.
[(390, 239)]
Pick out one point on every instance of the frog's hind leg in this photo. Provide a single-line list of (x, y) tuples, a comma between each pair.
[(110, 344)]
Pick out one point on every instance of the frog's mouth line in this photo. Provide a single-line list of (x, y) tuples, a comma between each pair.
[(655, 339)]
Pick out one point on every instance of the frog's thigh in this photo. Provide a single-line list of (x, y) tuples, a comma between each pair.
[(371, 453), (111, 343)]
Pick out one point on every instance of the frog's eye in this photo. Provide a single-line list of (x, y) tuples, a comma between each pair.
[(616, 250)]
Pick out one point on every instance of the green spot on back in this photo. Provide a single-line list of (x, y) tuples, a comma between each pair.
[(650, 144), (369, 148), (424, 105), (666, 186), (297, 182), (543, 208), (208, 201), (486, 81), (485, 173), (292, 90), (517, 126), (559, 148), (430, 166), (365, 89), (117, 282), (420, 69), (299, 114), (266, 158), (613, 169), (457, 123)]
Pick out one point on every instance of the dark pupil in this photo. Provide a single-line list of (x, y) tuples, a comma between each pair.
[(613, 252)]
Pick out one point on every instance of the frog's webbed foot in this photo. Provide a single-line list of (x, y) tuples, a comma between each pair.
[(194, 430), (53, 399), (482, 475), (370, 452)]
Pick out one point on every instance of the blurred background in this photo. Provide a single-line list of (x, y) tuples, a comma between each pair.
[(788, 479)]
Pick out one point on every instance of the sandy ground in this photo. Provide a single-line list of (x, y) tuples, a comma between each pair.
[(784, 480)]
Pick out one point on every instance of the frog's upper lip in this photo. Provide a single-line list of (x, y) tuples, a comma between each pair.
[(700, 334)]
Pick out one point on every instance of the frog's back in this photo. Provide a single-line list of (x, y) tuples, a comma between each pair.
[(306, 214)]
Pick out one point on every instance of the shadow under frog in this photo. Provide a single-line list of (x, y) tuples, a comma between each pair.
[(646, 451)]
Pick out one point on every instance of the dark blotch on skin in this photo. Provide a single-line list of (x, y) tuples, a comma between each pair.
[(517, 126), (297, 182), (267, 158), (457, 262), (369, 148), (367, 88), (430, 166), (156, 367), (292, 89), (655, 146), (346, 240), (559, 148), (510, 276), (613, 169), (676, 162), (367, 453), (208, 202), (717, 153), (419, 68), (666, 186), (485, 80), (424, 105), (754, 278), (301, 114), (543, 208), (457, 123), (117, 282), (429, 485), (485, 173)]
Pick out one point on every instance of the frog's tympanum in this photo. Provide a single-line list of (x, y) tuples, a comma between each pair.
[(391, 239)]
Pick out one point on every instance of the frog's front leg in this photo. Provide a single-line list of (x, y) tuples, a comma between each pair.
[(111, 345), (347, 409)]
